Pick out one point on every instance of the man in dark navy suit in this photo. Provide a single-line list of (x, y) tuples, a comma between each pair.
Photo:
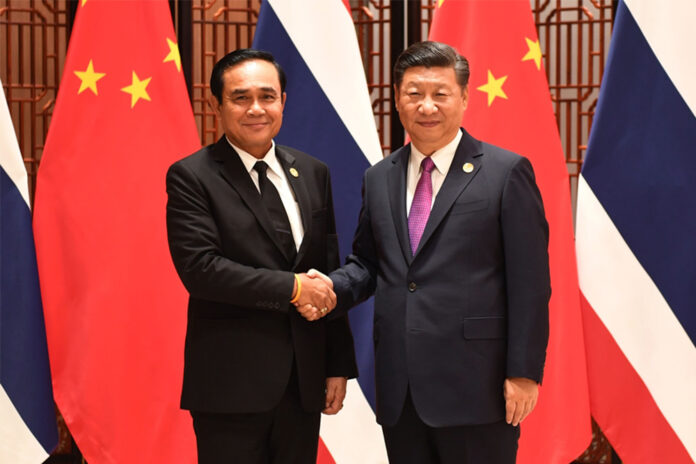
[(245, 218), (452, 240)]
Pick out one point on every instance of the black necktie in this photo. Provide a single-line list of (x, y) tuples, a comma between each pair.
[(276, 210)]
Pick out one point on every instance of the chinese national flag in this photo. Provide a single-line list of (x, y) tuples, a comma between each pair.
[(115, 310), (510, 106)]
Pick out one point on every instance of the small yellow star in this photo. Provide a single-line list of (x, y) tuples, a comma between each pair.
[(494, 87), (439, 3), (89, 78), (138, 89), (173, 54), (83, 2), (534, 52)]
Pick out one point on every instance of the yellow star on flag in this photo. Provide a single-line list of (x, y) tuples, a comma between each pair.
[(439, 3), (534, 52), (494, 87), (89, 78), (83, 2), (137, 89), (173, 54)]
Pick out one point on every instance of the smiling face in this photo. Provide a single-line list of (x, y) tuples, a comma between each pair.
[(251, 111), (431, 105)]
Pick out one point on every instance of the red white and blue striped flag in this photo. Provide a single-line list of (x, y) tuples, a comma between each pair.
[(27, 415), (635, 236), (328, 114)]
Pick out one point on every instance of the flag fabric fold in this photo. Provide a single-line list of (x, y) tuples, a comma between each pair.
[(510, 106), (115, 310), (328, 115), (635, 229), (28, 431)]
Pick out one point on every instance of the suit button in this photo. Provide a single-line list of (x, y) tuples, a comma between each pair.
[(412, 287)]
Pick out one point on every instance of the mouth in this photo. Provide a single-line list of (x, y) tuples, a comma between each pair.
[(428, 124), (255, 125)]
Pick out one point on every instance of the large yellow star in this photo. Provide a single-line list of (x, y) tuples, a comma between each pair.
[(89, 78), (137, 89), (494, 87), (534, 52), (173, 54), (440, 2)]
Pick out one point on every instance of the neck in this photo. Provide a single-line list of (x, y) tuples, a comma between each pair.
[(429, 148)]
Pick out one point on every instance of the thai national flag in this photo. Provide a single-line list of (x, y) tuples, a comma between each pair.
[(27, 416), (328, 115), (636, 236)]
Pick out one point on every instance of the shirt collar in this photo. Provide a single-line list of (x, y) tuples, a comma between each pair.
[(249, 160), (442, 158)]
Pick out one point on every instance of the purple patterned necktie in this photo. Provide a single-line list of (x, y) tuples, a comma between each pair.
[(420, 207)]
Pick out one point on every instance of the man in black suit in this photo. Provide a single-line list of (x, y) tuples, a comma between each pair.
[(452, 240), (244, 217)]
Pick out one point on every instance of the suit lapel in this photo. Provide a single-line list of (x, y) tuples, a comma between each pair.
[(396, 179), (233, 171), (299, 187), (468, 151)]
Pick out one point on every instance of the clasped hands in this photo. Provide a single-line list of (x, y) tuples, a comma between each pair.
[(314, 297)]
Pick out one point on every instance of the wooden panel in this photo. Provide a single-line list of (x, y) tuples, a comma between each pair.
[(35, 36)]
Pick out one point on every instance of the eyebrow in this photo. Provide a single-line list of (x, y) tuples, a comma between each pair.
[(417, 84), (263, 89)]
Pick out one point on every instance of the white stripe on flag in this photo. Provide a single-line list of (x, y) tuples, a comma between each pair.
[(350, 443), (18, 444), (10, 157), (636, 314), (669, 28), (335, 63)]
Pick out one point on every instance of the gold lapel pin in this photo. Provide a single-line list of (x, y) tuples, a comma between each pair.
[(294, 172), (468, 167)]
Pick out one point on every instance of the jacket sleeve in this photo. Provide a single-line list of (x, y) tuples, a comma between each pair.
[(339, 343), (356, 281), (525, 244), (196, 250)]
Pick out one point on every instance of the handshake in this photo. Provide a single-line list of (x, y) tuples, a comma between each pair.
[(313, 295)]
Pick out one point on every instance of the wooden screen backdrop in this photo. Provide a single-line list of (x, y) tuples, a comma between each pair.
[(574, 36)]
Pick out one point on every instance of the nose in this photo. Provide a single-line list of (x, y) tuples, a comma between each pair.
[(255, 108), (427, 106)]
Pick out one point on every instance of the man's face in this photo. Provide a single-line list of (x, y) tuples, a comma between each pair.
[(431, 105), (251, 111)]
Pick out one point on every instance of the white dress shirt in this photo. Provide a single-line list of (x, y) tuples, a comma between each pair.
[(277, 176), (442, 159)]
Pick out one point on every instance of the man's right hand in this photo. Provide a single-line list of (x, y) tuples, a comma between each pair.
[(317, 297)]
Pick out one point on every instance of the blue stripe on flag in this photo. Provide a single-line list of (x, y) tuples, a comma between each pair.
[(641, 165), (24, 370), (311, 124)]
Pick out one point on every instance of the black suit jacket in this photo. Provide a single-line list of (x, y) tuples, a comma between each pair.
[(243, 333), (471, 307)]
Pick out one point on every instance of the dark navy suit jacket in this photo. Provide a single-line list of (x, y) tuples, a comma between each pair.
[(470, 308)]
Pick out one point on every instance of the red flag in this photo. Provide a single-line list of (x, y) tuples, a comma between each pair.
[(115, 309), (510, 106)]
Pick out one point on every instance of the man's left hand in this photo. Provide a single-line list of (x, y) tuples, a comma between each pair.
[(520, 398), (335, 394)]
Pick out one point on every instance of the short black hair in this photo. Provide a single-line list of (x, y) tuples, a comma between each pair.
[(236, 57), (431, 54)]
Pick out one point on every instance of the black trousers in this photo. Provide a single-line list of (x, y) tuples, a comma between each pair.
[(411, 441), (284, 435)]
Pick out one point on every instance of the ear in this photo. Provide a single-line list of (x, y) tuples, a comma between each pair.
[(396, 98), (283, 98), (214, 105), (465, 96)]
